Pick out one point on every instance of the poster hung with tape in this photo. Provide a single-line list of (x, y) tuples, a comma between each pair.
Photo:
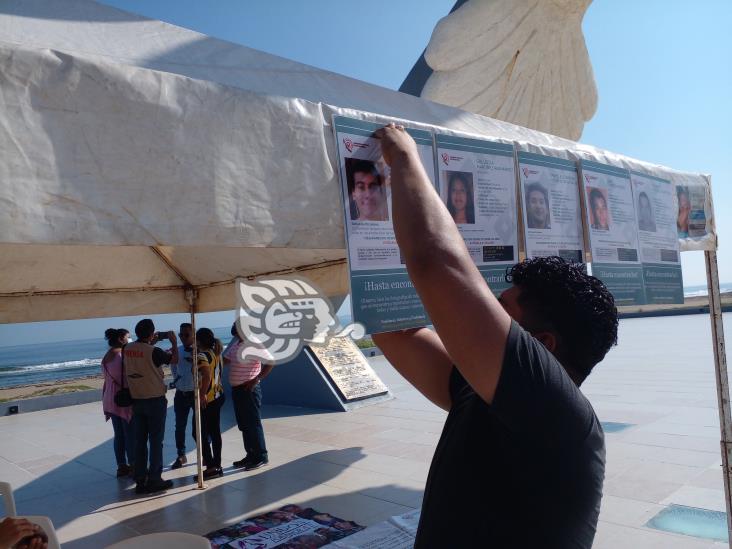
[(613, 231), (657, 238), (382, 295), (551, 207), (477, 184)]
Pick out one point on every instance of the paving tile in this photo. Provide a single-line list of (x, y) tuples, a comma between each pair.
[(628, 512), (702, 498), (371, 463)]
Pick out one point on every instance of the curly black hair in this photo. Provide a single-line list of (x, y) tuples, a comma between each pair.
[(561, 297)]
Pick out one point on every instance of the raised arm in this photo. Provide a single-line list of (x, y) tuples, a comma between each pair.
[(470, 322), (420, 357), (174, 351)]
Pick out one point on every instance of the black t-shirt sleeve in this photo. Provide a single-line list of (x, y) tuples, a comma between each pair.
[(535, 396), (160, 357)]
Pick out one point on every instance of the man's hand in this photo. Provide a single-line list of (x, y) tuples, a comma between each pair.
[(472, 326), (202, 399), (12, 530), (172, 338), (396, 143)]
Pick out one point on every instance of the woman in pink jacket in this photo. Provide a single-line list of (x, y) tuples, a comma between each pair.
[(124, 436)]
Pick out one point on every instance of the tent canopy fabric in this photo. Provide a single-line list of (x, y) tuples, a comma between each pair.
[(140, 158)]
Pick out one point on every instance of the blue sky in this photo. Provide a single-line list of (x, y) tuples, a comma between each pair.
[(662, 70)]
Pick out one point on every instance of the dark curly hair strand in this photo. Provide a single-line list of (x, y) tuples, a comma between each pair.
[(560, 297)]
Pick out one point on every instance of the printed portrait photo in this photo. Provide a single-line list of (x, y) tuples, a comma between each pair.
[(367, 193), (459, 199), (536, 202), (646, 219), (598, 209)]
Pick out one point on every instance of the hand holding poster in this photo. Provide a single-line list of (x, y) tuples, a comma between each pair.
[(382, 296), (478, 185), (551, 207)]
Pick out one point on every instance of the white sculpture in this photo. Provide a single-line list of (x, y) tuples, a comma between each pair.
[(521, 61)]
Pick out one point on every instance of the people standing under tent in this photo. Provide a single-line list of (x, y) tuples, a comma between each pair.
[(143, 365), (212, 399), (183, 402), (246, 392), (121, 416)]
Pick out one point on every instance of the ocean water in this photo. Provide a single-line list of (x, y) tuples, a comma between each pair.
[(694, 291), (47, 362)]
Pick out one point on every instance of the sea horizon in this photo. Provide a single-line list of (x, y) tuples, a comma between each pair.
[(46, 362)]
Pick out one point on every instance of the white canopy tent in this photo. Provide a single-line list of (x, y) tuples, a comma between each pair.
[(140, 158), (145, 167)]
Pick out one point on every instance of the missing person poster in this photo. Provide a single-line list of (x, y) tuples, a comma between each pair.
[(382, 295), (691, 220), (613, 231), (551, 207), (478, 186), (657, 238)]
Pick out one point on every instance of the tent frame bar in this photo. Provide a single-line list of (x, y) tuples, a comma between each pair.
[(720, 369), (191, 297)]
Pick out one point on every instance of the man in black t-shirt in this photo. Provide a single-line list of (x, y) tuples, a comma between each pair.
[(521, 459)]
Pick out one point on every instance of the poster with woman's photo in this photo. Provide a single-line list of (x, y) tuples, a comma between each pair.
[(611, 218), (657, 238), (382, 296), (477, 183), (691, 218), (551, 207)]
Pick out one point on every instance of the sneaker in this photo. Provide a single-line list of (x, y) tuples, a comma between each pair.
[(213, 472), (158, 486), (132, 470), (179, 462), (123, 470), (141, 487), (242, 462), (256, 463)]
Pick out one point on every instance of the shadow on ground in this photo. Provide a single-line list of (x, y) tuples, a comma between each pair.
[(82, 495)]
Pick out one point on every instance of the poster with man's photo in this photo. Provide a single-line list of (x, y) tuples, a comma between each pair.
[(657, 238), (551, 207), (477, 183), (382, 295), (611, 218)]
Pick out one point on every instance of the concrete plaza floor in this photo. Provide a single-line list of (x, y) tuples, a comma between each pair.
[(371, 463)]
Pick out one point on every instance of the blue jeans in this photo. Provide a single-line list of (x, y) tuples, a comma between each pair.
[(124, 439), (247, 406), (182, 404), (149, 427)]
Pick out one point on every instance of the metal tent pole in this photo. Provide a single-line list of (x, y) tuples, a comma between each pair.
[(720, 368), (191, 296)]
